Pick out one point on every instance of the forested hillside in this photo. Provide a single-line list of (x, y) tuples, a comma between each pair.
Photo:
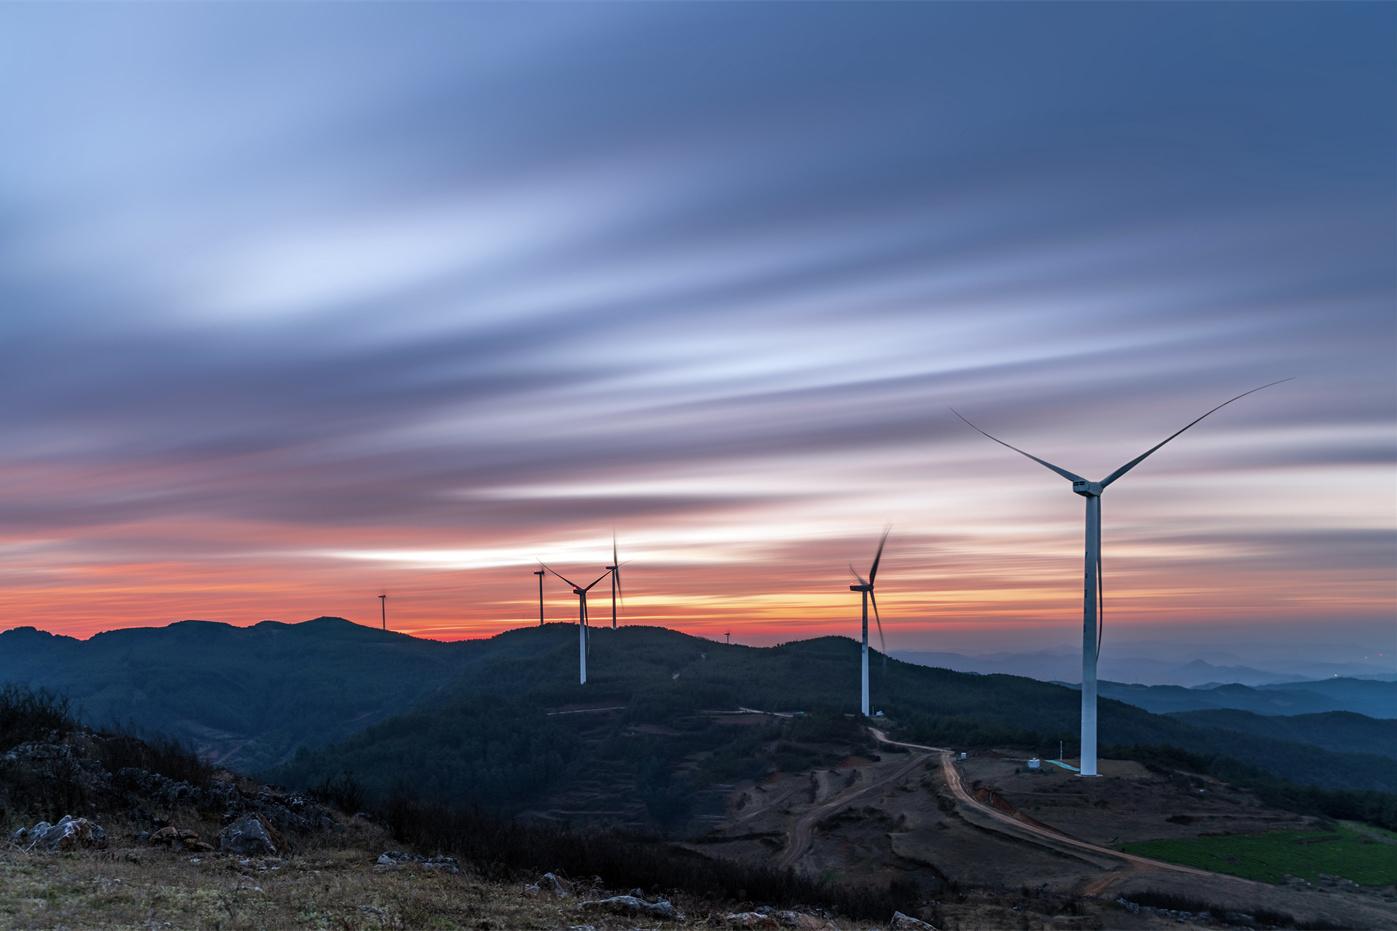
[(492, 739)]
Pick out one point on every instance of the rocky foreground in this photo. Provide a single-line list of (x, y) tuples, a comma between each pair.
[(92, 842)]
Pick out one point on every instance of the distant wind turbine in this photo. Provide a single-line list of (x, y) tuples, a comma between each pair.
[(383, 609), (1092, 588), (615, 570), (540, 573), (581, 593), (865, 587)]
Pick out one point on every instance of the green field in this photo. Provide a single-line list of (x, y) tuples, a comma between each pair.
[(1364, 854)]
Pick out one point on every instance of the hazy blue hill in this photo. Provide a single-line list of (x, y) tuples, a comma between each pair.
[(1375, 699), (1120, 666), (1340, 731), (247, 695)]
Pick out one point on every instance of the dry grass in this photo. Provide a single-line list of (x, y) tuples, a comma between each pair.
[(332, 887), (332, 891)]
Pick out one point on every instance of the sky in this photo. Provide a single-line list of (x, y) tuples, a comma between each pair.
[(306, 302)]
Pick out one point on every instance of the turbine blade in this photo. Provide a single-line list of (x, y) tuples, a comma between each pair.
[(878, 556), (882, 644), (1100, 602), (855, 573), (1070, 476), (616, 570), (596, 580), (1146, 454), (563, 577)]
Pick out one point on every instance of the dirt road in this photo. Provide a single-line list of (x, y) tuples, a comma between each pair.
[(799, 836), (1041, 834)]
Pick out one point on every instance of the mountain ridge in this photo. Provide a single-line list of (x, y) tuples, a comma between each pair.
[(230, 690)]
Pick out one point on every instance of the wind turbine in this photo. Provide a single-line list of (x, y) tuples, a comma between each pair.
[(581, 594), (865, 587), (1092, 588), (383, 609), (615, 570), (540, 573)]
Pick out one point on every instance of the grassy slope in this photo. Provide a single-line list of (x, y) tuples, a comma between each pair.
[(1364, 854), (334, 886)]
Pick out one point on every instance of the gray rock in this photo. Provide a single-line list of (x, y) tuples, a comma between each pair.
[(633, 905), (559, 887), (396, 858), (903, 922), (250, 835), (68, 834), (445, 864)]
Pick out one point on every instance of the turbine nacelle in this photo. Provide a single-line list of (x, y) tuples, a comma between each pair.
[(1087, 489), (860, 588)]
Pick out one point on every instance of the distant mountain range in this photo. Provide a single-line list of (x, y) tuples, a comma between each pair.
[(1373, 698), (502, 722), (1121, 666)]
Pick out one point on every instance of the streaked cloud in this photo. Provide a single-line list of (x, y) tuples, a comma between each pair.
[(303, 303)]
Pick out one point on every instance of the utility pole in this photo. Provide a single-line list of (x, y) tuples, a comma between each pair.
[(383, 610), (1059, 750)]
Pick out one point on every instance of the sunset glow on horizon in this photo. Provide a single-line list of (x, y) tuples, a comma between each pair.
[(408, 303)]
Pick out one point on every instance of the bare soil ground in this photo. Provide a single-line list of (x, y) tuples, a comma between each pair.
[(896, 818), (1128, 803)]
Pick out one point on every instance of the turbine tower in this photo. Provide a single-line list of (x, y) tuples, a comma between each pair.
[(1092, 588), (615, 570), (540, 573), (865, 587), (383, 609), (581, 594)]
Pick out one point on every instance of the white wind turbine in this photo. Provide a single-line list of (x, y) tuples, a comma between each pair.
[(1092, 595), (581, 594), (865, 586)]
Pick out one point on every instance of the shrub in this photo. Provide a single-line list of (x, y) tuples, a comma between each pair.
[(164, 755), (32, 714), (341, 791)]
